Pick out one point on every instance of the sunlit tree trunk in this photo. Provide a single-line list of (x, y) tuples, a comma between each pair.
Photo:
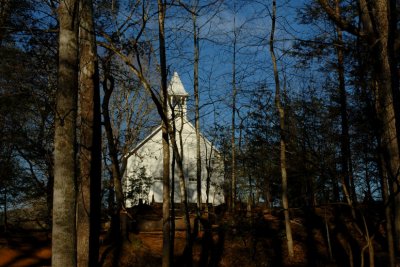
[(172, 200), (64, 196), (281, 113), (166, 254), (89, 183)]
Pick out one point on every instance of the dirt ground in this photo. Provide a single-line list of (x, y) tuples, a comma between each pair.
[(25, 249), (217, 247), (239, 241)]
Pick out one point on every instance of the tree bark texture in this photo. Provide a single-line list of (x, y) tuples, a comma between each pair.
[(182, 184), (108, 87), (172, 215), (178, 158), (89, 183), (281, 112), (166, 253), (388, 215), (64, 192), (197, 113)]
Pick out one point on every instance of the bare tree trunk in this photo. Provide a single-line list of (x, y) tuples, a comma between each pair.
[(197, 114), (166, 254), (108, 88), (179, 156), (388, 208), (166, 197), (184, 199), (233, 140), (178, 159), (281, 112), (64, 196), (209, 174), (89, 184), (388, 136), (172, 200), (5, 222), (385, 192), (345, 139)]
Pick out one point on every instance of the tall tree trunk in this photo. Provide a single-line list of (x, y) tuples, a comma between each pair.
[(166, 254), (389, 139), (233, 130), (5, 220), (281, 112), (387, 189), (209, 167), (197, 112), (385, 106), (346, 162), (178, 156), (384, 189), (108, 88), (184, 199), (388, 215), (89, 184), (179, 159), (172, 200), (64, 196)]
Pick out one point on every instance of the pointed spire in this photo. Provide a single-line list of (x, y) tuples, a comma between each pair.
[(175, 86), (177, 95)]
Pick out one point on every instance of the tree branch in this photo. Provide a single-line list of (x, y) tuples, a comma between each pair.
[(339, 21)]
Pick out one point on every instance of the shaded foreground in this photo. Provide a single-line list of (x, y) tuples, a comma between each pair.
[(24, 248), (246, 239)]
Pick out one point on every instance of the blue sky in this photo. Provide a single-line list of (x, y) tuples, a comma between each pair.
[(251, 22)]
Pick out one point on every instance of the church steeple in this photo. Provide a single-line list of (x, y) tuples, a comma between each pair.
[(177, 95)]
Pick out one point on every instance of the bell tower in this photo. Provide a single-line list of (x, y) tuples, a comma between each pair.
[(177, 96)]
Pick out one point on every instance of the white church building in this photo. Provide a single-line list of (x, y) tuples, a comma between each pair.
[(146, 160)]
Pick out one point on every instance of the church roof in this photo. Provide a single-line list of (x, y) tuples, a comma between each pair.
[(175, 86), (159, 128)]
